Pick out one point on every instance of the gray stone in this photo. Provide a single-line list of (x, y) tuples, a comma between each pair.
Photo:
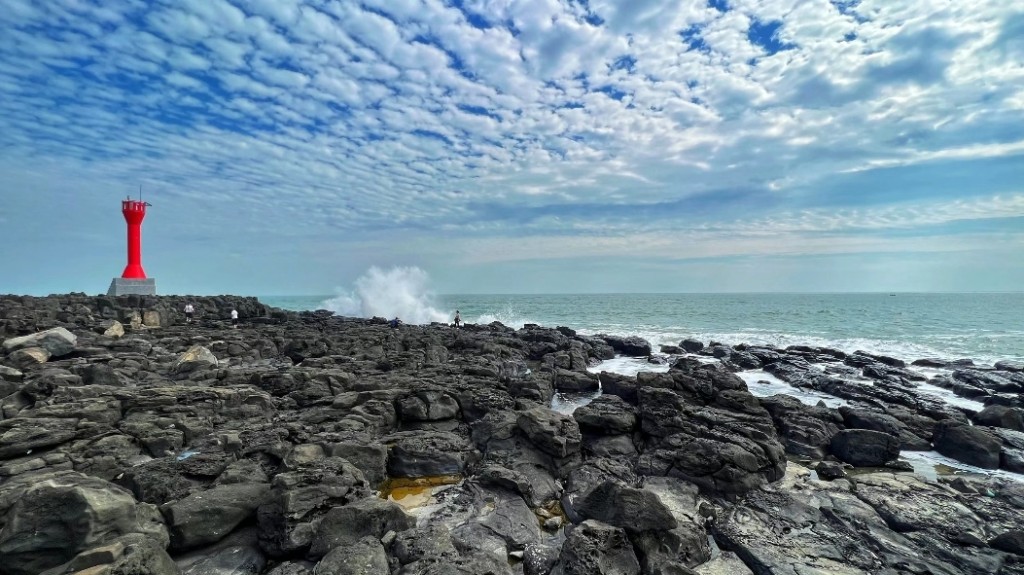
[(1009, 365), (237, 554), (967, 443), (125, 286), (427, 405), (343, 526), (1009, 541), (111, 328), (865, 448), (428, 454), (21, 435), (196, 357), (292, 568), (624, 386), (627, 507), (134, 554), (208, 516), (632, 346), (594, 548), (10, 374), (538, 559), (363, 557), (237, 560), (575, 381), (299, 499), (57, 516), (370, 458), (505, 514), (727, 563), (553, 433), (27, 357), (829, 470), (606, 415), (1001, 416), (691, 345), (806, 430), (57, 341), (724, 441)]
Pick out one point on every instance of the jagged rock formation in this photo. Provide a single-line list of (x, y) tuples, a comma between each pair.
[(131, 442)]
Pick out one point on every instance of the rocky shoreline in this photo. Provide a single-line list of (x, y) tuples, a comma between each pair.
[(303, 443)]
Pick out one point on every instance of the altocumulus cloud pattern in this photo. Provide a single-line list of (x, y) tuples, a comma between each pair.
[(618, 128)]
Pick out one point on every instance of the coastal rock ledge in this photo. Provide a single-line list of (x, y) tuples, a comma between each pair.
[(305, 443)]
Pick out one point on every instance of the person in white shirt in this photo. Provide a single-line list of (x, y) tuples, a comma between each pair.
[(234, 318), (458, 318), (189, 311)]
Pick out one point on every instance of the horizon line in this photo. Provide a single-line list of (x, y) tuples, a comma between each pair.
[(894, 292)]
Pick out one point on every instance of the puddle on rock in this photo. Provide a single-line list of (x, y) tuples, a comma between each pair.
[(416, 492)]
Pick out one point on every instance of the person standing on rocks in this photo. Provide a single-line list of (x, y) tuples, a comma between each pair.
[(189, 311), (458, 319), (234, 318)]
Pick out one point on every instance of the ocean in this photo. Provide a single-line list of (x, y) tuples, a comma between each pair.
[(985, 327)]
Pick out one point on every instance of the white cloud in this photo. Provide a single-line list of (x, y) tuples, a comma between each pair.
[(408, 115)]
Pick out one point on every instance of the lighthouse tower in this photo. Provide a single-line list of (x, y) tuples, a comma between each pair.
[(133, 280)]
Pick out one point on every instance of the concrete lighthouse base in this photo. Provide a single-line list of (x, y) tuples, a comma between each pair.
[(125, 286)]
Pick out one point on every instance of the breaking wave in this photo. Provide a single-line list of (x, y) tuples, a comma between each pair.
[(401, 292)]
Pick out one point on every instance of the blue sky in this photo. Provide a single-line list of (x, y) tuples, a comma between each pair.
[(515, 146)]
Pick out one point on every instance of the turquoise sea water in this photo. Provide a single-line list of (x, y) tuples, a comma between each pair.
[(986, 327)]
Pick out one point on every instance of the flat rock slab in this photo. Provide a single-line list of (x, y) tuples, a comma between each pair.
[(553, 433), (20, 435), (428, 454), (57, 341), (208, 516)]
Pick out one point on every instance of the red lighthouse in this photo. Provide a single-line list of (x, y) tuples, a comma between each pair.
[(134, 212), (133, 280)]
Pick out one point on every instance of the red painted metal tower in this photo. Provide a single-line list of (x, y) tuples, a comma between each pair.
[(133, 280), (134, 212)]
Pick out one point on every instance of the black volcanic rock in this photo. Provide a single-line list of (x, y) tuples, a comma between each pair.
[(260, 457), (726, 444), (632, 346), (691, 345), (865, 448), (805, 430), (606, 415), (1001, 416), (553, 433), (969, 444)]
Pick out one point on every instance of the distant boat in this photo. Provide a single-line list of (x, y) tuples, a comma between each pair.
[(892, 295)]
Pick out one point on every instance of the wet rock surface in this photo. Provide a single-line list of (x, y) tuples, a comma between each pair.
[(131, 442)]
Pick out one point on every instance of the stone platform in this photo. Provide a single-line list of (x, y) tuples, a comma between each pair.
[(124, 286)]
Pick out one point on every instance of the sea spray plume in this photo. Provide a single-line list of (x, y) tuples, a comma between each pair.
[(399, 291), (508, 315)]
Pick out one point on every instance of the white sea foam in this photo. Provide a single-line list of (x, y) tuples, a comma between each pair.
[(659, 336), (508, 316), (950, 397), (763, 384), (900, 349), (566, 403), (628, 366), (925, 462), (399, 291)]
